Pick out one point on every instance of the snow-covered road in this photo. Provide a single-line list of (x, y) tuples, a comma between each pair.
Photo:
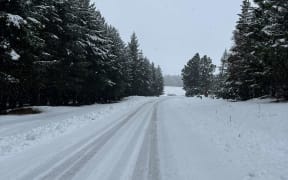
[(166, 138)]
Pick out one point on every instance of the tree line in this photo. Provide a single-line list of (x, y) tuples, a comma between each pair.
[(173, 80), (64, 52), (198, 75), (257, 63)]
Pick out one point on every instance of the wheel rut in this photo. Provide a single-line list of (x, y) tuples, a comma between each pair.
[(148, 162), (85, 151)]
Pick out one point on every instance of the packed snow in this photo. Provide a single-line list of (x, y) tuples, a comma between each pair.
[(168, 138), (18, 133)]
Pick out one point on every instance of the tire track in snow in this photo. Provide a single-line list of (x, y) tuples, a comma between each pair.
[(154, 165), (122, 170), (132, 123), (147, 165), (80, 156)]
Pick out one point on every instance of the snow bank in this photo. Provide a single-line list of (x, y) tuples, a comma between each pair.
[(57, 121), (178, 91), (228, 140)]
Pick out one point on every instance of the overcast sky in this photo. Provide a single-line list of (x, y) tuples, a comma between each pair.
[(170, 32)]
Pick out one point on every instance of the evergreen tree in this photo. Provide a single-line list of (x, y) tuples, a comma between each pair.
[(159, 82), (206, 71), (273, 46), (258, 62), (221, 78), (17, 52), (146, 77), (191, 76), (244, 69), (63, 52), (97, 82), (45, 32), (224, 65), (118, 71), (198, 76), (134, 61)]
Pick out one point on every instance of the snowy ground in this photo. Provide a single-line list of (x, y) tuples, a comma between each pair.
[(166, 138), (214, 139), (18, 133), (170, 90)]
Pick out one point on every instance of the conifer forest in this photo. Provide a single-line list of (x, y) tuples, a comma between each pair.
[(257, 63), (143, 90), (64, 53)]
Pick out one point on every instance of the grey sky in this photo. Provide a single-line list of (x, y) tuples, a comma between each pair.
[(170, 32)]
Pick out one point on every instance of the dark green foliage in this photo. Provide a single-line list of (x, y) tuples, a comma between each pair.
[(158, 82), (198, 76), (15, 60), (220, 79), (63, 52), (191, 76), (144, 78), (258, 63), (244, 70)]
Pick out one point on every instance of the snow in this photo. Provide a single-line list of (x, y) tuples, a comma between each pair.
[(170, 90), (9, 78), (15, 20), (18, 133), (282, 9), (111, 83), (168, 138), (4, 44), (33, 20), (267, 30), (14, 55), (54, 36), (283, 40), (96, 38), (215, 139)]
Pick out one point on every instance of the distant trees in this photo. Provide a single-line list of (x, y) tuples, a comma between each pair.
[(173, 80), (145, 79), (198, 75), (63, 52), (220, 79)]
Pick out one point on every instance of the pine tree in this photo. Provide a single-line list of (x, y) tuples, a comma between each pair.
[(44, 33), (17, 52), (191, 76), (221, 78), (206, 71), (159, 82), (198, 76), (224, 66), (258, 62), (244, 69), (98, 58), (118, 71), (133, 53), (273, 45), (63, 52)]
